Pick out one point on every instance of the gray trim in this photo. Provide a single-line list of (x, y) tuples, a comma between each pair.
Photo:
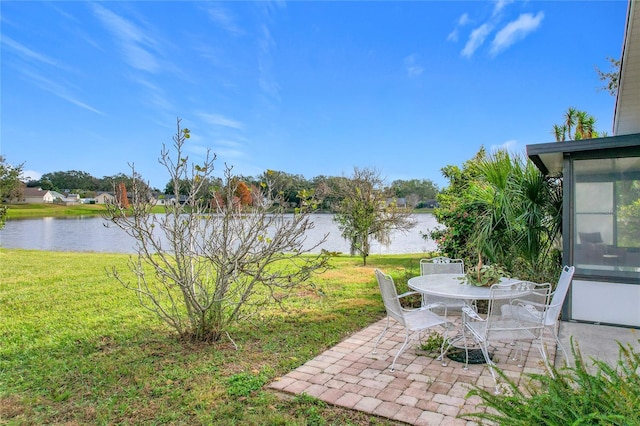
[(548, 156), (594, 144), (567, 231)]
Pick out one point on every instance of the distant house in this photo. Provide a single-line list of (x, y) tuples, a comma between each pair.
[(71, 198), (105, 197), (161, 199), (430, 204), (170, 199), (40, 196)]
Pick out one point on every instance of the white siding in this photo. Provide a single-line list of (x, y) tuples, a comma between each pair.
[(605, 302)]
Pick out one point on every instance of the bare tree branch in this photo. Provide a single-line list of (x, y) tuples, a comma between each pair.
[(210, 259)]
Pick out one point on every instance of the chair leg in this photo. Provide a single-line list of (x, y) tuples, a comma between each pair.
[(490, 364), (545, 358), (375, 346), (561, 346), (404, 345), (446, 344), (518, 353), (466, 349)]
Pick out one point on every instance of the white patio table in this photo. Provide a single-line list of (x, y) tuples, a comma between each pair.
[(454, 286)]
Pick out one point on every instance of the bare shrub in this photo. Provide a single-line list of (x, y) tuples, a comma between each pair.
[(211, 260)]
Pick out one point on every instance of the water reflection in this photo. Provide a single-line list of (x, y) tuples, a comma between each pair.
[(91, 234)]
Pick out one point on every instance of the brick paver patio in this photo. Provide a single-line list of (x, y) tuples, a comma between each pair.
[(420, 391)]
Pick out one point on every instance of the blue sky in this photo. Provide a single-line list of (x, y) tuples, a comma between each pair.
[(310, 88)]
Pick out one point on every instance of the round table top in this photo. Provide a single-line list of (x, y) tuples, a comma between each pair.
[(453, 286)]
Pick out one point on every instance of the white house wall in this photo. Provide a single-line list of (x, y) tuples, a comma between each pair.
[(627, 113), (605, 302)]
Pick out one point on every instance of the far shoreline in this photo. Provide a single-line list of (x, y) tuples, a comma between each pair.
[(34, 211)]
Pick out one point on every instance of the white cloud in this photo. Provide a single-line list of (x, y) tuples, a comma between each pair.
[(140, 58), (228, 143), (412, 67), (228, 153), (58, 90), (223, 149), (133, 41), (500, 4), (462, 21), (509, 146), (453, 35), (31, 175), (198, 150), (221, 120), (267, 80), (515, 31), (27, 53), (476, 39), (222, 18), (156, 95)]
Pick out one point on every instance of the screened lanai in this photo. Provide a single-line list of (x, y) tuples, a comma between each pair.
[(601, 224)]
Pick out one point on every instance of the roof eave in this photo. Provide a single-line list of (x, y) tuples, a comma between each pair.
[(548, 157)]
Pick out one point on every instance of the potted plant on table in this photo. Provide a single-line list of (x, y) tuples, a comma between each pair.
[(482, 275)]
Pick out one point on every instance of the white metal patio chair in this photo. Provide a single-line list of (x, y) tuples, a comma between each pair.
[(551, 311), (442, 265), (414, 321), (515, 298)]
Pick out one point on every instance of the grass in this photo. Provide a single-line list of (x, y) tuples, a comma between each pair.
[(23, 211), (76, 348), (26, 211)]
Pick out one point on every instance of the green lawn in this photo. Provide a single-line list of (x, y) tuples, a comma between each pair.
[(24, 211), (21, 211), (76, 348)]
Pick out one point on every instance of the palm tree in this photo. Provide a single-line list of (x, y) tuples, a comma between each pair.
[(520, 216), (584, 126), (570, 120), (582, 119), (589, 127), (560, 132)]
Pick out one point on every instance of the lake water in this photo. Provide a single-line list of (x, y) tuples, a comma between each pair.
[(90, 234)]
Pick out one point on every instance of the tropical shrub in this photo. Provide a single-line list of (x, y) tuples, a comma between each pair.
[(519, 216), (569, 396), (456, 211), (501, 210)]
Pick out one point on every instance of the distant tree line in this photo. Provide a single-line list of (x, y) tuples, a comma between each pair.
[(415, 192), (9, 185), (79, 182)]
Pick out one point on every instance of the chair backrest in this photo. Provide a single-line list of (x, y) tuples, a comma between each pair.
[(441, 265), (504, 316), (390, 296), (559, 294)]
